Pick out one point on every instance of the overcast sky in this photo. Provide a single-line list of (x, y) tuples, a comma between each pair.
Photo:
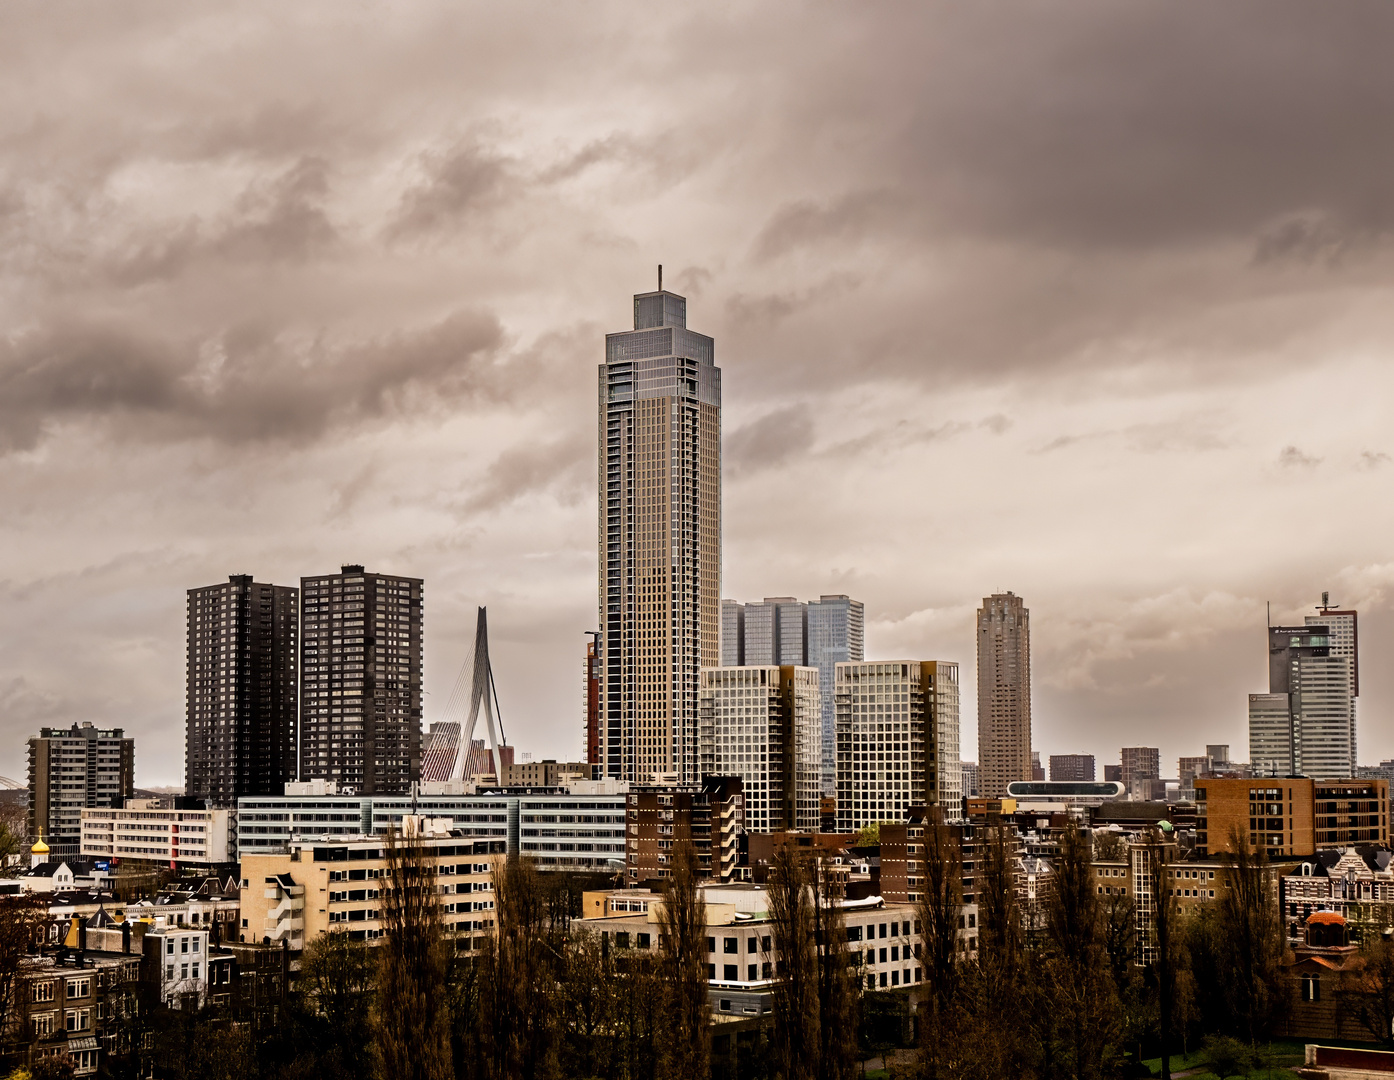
[(1086, 301)]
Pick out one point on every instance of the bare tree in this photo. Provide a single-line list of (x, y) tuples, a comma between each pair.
[(837, 997), (1164, 945), (23, 921), (939, 910), (520, 970), (1252, 935), (1080, 992), (412, 1027), (795, 991), (337, 973), (683, 934)]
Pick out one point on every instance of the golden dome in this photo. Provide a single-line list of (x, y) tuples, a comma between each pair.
[(39, 848)]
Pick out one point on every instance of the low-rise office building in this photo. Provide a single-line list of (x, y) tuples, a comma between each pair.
[(1290, 816), (578, 826), (882, 943), (143, 830)]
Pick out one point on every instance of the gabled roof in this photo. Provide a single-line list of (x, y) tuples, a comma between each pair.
[(44, 870), (100, 918)]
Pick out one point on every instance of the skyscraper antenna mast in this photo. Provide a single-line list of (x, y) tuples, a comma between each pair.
[(660, 277)]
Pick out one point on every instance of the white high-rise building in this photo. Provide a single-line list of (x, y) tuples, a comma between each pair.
[(1305, 724), (763, 724), (897, 740), (660, 539)]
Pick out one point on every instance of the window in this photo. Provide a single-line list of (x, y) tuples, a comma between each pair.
[(728, 973), (77, 1020), (79, 988), (711, 944), (643, 940), (1311, 988), (730, 945), (750, 944), (750, 972), (43, 1024), (42, 992)]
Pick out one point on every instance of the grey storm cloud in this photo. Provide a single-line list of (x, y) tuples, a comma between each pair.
[(770, 440), (251, 387)]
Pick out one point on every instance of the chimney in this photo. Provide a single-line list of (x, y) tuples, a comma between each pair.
[(126, 937)]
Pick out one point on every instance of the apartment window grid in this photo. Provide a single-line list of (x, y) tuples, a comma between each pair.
[(361, 669), (660, 535), (241, 689), (763, 725), (885, 745)]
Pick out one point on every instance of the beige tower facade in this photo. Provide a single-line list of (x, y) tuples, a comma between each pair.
[(660, 540), (1004, 693)]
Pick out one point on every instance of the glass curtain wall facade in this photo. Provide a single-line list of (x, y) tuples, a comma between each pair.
[(836, 635), (1305, 724), (659, 474)]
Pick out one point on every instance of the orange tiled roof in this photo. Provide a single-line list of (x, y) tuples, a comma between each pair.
[(1330, 918)]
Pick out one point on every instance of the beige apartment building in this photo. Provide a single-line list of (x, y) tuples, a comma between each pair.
[(320, 886), (1004, 693), (659, 531)]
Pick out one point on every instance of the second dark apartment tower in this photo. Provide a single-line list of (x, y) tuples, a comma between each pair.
[(360, 657), (240, 689)]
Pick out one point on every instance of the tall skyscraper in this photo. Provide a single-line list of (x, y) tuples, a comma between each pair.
[(763, 724), (240, 698), (1004, 693), (897, 740), (72, 768), (1305, 724), (360, 678), (781, 630), (660, 538)]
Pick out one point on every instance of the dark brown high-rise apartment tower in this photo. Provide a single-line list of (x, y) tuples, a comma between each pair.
[(360, 667), (1004, 693), (240, 690)]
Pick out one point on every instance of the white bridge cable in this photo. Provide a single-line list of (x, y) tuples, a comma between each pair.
[(483, 691)]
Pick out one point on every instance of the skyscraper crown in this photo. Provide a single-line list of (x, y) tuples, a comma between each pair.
[(660, 308)]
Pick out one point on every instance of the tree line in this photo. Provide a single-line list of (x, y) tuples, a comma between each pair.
[(1083, 987)]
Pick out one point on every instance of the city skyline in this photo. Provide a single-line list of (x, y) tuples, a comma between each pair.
[(970, 344)]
